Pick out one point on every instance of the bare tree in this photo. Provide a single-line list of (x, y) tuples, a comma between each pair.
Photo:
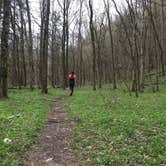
[(22, 43), (93, 43), (107, 9), (4, 49), (44, 45), (54, 49), (30, 47), (80, 44), (100, 35), (65, 40)]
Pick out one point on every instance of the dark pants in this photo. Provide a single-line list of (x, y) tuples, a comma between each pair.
[(72, 89)]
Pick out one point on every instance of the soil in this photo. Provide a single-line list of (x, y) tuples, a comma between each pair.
[(54, 147)]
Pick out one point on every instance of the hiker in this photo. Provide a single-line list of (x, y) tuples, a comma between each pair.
[(71, 79)]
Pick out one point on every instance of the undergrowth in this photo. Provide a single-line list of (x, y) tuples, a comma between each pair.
[(22, 116), (112, 128)]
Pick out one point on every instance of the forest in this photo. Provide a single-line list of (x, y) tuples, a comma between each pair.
[(116, 116)]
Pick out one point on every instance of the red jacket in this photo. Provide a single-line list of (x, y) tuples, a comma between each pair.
[(72, 76)]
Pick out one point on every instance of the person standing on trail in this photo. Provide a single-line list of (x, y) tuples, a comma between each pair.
[(71, 79)]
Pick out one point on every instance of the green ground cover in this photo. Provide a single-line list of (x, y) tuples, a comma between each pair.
[(22, 116), (113, 129)]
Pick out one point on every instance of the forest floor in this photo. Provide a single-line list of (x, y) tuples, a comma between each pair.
[(22, 117), (54, 147), (113, 128), (104, 127)]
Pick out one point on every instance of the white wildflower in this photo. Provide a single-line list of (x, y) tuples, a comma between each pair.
[(7, 141)]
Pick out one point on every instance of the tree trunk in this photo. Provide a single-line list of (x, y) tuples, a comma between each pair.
[(107, 8), (45, 45), (22, 43), (63, 46), (67, 41), (4, 50), (93, 43), (14, 54), (30, 48)]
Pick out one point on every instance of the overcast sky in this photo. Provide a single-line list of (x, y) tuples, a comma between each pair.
[(98, 6)]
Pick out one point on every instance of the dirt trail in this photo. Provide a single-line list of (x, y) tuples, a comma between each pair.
[(54, 144)]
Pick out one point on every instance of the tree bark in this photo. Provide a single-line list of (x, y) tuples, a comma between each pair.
[(4, 50), (93, 43), (45, 45), (30, 48), (107, 8)]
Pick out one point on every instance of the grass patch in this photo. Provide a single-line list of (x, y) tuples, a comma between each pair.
[(113, 128), (22, 116)]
